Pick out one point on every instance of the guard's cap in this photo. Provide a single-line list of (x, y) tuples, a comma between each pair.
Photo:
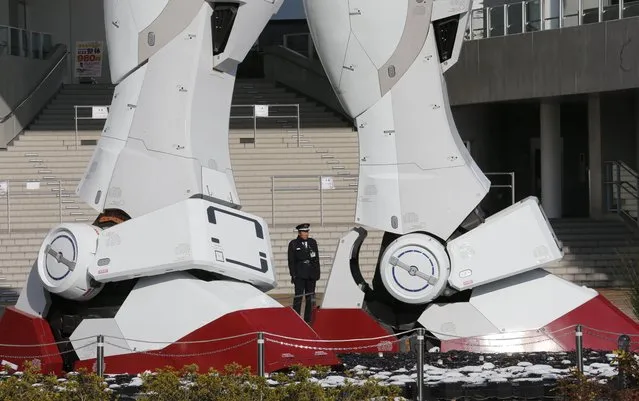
[(303, 227)]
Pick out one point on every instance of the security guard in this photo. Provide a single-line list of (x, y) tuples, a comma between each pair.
[(304, 266)]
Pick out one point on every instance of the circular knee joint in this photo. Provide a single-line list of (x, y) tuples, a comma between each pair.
[(415, 268)]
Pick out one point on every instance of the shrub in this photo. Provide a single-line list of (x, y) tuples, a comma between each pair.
[(578, 387), (235, 383), (32, 385)]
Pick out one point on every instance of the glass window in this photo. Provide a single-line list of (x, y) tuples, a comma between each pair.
[(14, 36), (36, 45)]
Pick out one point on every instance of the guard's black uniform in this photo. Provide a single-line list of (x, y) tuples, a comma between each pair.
[(304, 266)]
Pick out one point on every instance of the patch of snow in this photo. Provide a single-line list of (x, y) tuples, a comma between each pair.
[(488, 366)]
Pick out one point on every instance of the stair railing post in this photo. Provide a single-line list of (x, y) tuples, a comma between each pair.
[(254, 125), (8, 206), (512, 187), (298, 125), (60, 200), (321, 199), (273, 200), (76, 126), (618, 188)]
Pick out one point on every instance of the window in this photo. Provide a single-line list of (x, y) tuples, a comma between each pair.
[(222, 23)]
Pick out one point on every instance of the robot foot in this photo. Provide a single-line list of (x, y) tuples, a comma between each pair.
[(529, 311), (170, 320)]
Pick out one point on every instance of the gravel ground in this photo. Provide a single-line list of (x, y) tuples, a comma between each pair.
[(451, 375), (448, 376)]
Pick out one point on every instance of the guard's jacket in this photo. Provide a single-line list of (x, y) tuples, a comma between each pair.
[(303, 261)]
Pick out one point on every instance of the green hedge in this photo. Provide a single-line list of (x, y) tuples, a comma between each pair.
[(234, 384)]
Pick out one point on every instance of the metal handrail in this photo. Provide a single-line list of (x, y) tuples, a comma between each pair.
[(58, 192), (319, 188), (255, 117), (510, 174), (488, 25), (309, 40), (77, 118), (624, 166), (298, 176), (33, 92), (618, 188)]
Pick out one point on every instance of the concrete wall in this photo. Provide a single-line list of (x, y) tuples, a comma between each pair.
[(587, 59), (300, 74), (19, 78), (618, 127), (69, 21)]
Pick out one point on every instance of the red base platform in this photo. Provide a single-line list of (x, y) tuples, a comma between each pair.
[(19, 328), (602, 324), (341, 324)]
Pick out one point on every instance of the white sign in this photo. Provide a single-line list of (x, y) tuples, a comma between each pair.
[(327, 183), (88, 59), (99, 112), (261, 110), (33, 185), (4, 186)]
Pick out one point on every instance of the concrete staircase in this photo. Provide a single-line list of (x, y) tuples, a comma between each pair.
[(59, 114), (596, 252)]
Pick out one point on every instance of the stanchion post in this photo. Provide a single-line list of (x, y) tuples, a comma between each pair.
[(420, 364), (100, 356), (579, 338), (623, 344), (260, 354)]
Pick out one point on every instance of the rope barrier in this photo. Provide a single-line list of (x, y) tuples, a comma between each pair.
[(333, 349), (339, 341), (609, 332), (48, 355), (593, 332), (183, 355), (472, 344), (183, 342), (480, 338), (45, 344), (541, 333)]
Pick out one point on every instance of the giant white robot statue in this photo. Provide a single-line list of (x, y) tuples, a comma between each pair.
[(467, 283), (172, 262), (171, 258)]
